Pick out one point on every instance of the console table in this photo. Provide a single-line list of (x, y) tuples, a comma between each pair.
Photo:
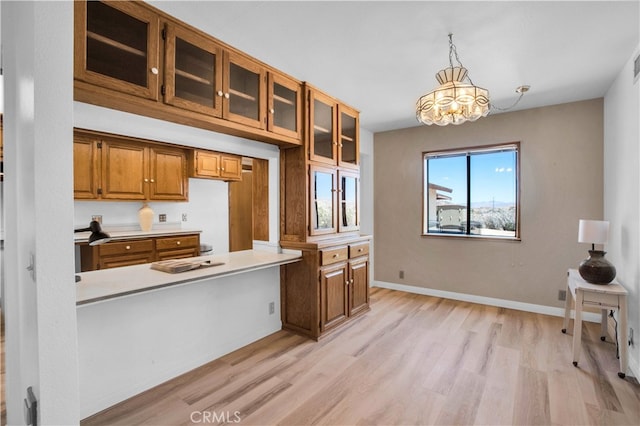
[(605, 297)]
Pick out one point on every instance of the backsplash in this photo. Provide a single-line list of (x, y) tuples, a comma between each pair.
[(206, 210)]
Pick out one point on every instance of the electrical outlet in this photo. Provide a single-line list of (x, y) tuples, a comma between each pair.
[(162, 217), (97, 218), (184, 217), (562, 294), (272, 308), (401, 274)]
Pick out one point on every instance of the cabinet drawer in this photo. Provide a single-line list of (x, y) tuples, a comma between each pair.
[(600, 299), (333, 255), (177, 242), (358, 249), (178, 253), (125, 247)]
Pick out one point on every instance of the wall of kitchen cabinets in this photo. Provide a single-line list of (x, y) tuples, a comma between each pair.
[(133, 57)]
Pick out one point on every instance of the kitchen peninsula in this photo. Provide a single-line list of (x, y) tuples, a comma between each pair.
[(139, 327)]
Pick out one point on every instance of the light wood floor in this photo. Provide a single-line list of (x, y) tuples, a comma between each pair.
[(412, 360), (3, 406)]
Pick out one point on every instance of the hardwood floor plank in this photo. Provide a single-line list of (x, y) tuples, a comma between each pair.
[(497, 403), (532, 398)]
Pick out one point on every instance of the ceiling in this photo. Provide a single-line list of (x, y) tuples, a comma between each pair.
[(380, 56)]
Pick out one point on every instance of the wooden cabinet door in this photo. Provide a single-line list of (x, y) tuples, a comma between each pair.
[(333, 296), (230, 167), (285, 106), (116, 46), (124, 171), (245, 91), (348, 137), (322, 202), (359, 285), (205, 164), (168, 174), (85, 168), (322, 128), (193, 71), (348, 201)]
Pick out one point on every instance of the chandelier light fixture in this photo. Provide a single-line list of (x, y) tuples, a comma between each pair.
[(457, 99)]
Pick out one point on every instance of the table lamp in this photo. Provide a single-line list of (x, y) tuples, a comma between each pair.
[(595, 269)]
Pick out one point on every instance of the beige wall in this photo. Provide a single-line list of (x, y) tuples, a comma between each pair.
[(561, 182)]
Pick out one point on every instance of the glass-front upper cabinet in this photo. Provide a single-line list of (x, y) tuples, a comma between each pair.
[(323, 128), (245, 91), (116, 46), (322, 204), (193, 71), (348, 146), (349, 201), (285, 106)]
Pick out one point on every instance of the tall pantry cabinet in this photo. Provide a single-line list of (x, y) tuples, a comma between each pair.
[(320, 215)]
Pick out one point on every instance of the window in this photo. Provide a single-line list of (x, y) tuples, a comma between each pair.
[(472, 192)]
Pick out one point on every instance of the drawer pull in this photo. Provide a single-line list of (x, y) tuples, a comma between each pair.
[(346, 282), (359, 250), (128, 247), (335, 256), (178, 242)]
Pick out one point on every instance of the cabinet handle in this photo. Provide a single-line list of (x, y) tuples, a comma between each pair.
[(223, 169), (346, 282), (272, 110), (335, 256), (152, 181), (146, 180), (154, 70), (178, 242), (359, 250), (351, 281), (220, 93), (226, 96), (128, 247)]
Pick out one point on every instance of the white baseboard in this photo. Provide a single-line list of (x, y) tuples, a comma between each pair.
[(502, 303)]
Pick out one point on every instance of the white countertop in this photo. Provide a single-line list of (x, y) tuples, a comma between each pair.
[(96, 286), (83, 237)]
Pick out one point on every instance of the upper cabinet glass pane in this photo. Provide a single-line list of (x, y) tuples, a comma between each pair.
[(285, 107), (195, 74), (322, 129), (244, 92), (348, 148), (116, 44), (348, 202), (322, 200)]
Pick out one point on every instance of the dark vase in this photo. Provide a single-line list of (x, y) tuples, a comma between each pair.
[(596, 269)]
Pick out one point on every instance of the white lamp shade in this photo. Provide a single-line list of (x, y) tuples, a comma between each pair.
[(593, 231)]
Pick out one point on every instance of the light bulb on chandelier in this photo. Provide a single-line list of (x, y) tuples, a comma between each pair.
[(457, 100)]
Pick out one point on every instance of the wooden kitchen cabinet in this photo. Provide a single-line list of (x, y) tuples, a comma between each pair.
[(333, 130), (86, 167), (109, 167), (137, 251), (327, 288), (285, 110), (133, 57), (215, 165), (177, 247), (334, 200), (117, 46)]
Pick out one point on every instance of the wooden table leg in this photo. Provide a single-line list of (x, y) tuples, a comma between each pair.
[(577, 327), (623, 337), (567, 309), (603, 325)]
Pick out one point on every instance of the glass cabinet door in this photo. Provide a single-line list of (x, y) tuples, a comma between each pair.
[(323, 129), (322, 205), (285, 106), (193, 72), (118, 47), (348, 144), (349, 219), (245, 94)]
